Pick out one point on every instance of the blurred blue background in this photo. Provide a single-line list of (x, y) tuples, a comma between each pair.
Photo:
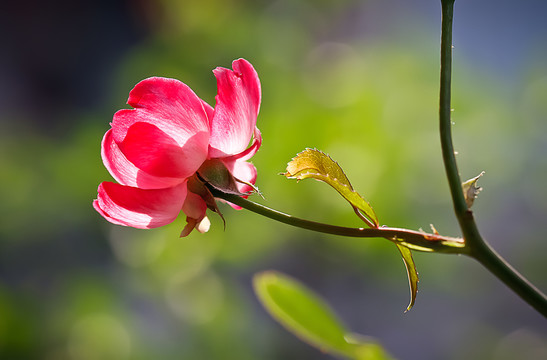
[(357, 79)]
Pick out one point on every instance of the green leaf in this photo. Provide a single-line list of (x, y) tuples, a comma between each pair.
[(411, 272), (312, 163), (307, 316), (301, 312), (368, 348)]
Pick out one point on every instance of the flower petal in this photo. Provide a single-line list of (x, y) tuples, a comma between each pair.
[(195, 209), (181, 119), (143, 209), (167, 103), (251, 150), (194, 206), (176, 106), (125, 172), (155, 152), (202, 226), (209, 111), (236, 110)]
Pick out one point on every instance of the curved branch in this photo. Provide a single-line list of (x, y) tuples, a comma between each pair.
[(415, 240), (475, 244)]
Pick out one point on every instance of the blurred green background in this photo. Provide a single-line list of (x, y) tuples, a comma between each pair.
[(356, 79)]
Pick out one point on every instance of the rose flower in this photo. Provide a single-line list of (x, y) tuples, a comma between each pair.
[(172, 145)]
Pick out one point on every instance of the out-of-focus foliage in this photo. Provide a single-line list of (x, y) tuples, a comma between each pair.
[(309, 318), (357, 79)]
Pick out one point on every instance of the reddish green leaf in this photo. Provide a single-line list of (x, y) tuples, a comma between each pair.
[(312, 163)]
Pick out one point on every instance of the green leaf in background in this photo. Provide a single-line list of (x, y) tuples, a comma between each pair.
[(312, 163), (412, 273), (307, 316), (367, 348)]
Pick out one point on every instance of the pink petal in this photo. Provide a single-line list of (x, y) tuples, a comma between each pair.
[(195, 209), (194, 206), (202, 226), (236, 110), (209, 111), (176, 116), (125, 172), (175, 104), (250, 151), (158, 154), (143, 209)]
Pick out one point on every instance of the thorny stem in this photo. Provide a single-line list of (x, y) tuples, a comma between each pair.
[(445, 124), (476, 246), (414, 240), (473, 245)]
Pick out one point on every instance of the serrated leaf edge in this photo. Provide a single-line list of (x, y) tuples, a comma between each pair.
[(369, 215), (371, 218)]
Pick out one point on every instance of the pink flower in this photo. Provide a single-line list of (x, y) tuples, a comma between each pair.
[(164, 151)]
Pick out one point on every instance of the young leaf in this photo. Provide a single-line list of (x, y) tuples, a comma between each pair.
[(312, 163), (471, 190), (411, 272)]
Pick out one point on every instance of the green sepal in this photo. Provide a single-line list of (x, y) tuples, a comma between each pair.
[(214, 173)]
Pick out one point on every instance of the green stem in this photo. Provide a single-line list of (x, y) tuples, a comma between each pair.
[(414, 240), (475, 244), (445, 124), (490, 259)]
